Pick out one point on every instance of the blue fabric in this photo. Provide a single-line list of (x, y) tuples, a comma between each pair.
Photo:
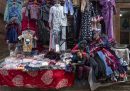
[(108, 69), (68, 6), (13, 11), (12, 35)]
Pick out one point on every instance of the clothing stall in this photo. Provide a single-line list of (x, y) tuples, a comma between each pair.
[(80, 42)]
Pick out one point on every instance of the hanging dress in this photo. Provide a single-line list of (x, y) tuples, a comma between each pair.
[(13, 11), (108, 9), (86, 25)]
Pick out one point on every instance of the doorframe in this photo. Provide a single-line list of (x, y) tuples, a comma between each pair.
[(117, 19)]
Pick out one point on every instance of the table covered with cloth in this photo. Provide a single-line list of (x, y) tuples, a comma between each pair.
[(46, 79)]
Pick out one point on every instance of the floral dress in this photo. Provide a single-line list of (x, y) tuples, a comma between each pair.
[(86, 25)]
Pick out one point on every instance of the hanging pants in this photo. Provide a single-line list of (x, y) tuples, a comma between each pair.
[(58, 38)]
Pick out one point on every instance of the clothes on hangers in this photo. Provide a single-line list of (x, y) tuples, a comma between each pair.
[(34, 11), (13, 11), (76, 22), (57, 18), (12, 32), (108, 9), (58, 22), (45, 12), (28, 22), (68, 7), (86, 23), (43, 33)]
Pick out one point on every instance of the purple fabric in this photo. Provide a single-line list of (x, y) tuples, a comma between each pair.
[(108, 9)]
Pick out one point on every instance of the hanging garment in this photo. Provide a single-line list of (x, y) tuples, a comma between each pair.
[(43, 33), (86, 26), (68, 7), (54, 39), (34, 11), (13, 11), (57, 20), (12, 33), (57, 17), (45, 12), (26, 22), (108, 9), (76, 22)]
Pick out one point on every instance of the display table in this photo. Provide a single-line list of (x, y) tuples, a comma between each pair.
[(45, 79)]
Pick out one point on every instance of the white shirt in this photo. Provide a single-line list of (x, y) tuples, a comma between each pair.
[(57, 18)]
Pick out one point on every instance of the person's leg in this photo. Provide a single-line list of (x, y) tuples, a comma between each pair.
[(86, 70), (94, 65), (80, 72)]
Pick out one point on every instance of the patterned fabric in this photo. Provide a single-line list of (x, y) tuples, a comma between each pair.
[(13, 11), (57, 18), (34, 11), (25, 23), (123, 53), (58, 21), (45, 79), (86, 28), (28, 40)]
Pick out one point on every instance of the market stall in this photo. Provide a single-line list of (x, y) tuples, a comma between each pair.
[(92, 60), (35, 73)]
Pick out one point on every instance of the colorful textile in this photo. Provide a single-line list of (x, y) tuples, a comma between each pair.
[(26, 22), (28, 40), (86, 26), (103, 57), (34, 11), (108, 9), (45, 79), (13, 11)]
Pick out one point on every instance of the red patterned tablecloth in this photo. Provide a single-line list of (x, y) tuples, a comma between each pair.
[(46, 79)]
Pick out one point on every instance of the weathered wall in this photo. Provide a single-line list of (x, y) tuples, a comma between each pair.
[(2, 5)]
